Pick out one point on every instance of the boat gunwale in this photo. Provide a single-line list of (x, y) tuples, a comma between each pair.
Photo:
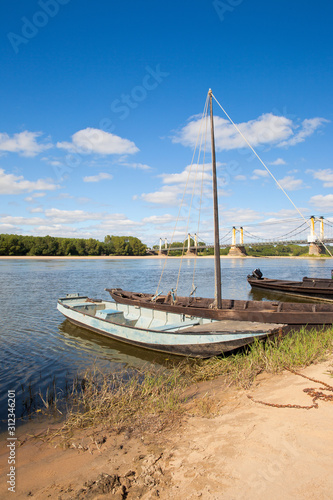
[(187, 329)]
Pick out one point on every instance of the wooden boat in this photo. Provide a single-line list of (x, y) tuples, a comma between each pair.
[(238, 310), (173, 333), (218, 309), (316, 288)]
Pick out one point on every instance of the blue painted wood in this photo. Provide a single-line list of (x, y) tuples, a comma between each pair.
[(134, 328)]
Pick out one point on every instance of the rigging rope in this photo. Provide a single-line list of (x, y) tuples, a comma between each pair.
[(270, 173), (193, 191), (201, 193), (183, 197)]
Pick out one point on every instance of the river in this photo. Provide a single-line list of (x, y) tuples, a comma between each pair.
[(38, 346)]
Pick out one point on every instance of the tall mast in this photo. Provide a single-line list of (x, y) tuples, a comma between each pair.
[(216, 213)]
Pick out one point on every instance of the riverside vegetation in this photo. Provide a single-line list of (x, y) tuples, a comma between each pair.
[(154, 400), (18, 245)]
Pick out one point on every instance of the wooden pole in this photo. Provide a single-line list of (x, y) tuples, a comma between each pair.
[(218, 284)]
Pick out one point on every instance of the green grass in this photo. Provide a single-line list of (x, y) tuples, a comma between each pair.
[(297, 350), (155, 398)]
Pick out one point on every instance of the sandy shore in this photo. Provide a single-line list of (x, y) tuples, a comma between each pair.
[(227, 447)]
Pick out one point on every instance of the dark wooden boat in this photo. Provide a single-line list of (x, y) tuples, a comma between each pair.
[(317, 288), (240, 310), (218, 309)]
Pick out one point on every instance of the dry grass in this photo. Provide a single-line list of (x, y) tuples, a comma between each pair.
[(154, 399), (119, 401)]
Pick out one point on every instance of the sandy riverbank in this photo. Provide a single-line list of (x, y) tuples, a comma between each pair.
[(227, 447)]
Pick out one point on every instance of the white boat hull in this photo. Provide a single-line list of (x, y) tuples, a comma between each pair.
[(161, 331)]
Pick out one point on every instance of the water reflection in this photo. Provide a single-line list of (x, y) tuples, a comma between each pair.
[(255, 294), (115, 353)]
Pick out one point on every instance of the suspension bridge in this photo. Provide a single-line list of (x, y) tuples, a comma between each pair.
[(316, 232)]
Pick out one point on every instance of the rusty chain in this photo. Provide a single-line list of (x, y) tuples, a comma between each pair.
[(314, 393)]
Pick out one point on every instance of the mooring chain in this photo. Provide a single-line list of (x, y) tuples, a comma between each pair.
[(314, 393)]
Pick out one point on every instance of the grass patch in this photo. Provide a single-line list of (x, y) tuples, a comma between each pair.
[(298, 349), (121, 400), (154, 399)]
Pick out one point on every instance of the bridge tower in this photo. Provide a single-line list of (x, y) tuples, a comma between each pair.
[(237, 250), (191, 251), (163, 251), (316, 247)]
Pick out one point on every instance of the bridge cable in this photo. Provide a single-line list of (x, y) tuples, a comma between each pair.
[(277, 237)]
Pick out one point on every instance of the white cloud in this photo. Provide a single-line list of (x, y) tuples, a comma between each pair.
[(278, 161), (326, 176), (257, 174), (322, 201), (166, 196), (32, 198), (191, 175), (267, 129), (24, 143), (197, 179), (289, 183), (53, 162), (287, 213), (240, 177), (70, 216), (240, 216), (93, 140), (36, 210), (307, 128), (96, 178), (139, 166), (12, 184), (159, 219), (17, 220)]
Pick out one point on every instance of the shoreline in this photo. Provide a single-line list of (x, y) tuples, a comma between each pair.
[(147, 257), (226, 446)]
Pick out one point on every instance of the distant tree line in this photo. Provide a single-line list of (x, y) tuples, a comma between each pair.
[(277, 250), (12, 244)]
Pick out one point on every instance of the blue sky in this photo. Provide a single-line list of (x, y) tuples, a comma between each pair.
[(99, 109)]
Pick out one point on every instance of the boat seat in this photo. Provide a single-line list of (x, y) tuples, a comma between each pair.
[(106, 313), (177, 326), (84, 305), (110, 311)]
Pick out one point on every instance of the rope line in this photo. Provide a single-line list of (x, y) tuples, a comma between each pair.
[(183, 197), (270, 173)]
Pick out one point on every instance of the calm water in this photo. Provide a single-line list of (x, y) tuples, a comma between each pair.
[(37, 344)]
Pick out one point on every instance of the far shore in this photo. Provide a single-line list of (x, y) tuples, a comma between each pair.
[(131, 257)]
